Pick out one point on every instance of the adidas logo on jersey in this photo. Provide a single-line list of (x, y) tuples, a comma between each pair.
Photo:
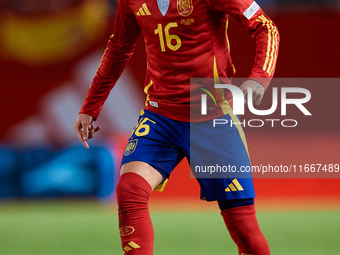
[(143, 10), (234, 186)]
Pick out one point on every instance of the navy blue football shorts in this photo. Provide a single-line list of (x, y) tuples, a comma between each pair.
[(217, 154)]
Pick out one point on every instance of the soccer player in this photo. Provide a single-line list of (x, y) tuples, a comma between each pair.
[(183, 39)]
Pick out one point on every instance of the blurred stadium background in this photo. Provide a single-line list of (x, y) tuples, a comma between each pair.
[(58, 198)]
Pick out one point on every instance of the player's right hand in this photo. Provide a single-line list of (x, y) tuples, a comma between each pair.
[(85, 129), (257, 89)]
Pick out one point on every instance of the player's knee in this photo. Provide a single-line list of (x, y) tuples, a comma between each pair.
[(132, 190)]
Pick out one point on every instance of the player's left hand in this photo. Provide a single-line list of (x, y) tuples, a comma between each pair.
[(257, 88)]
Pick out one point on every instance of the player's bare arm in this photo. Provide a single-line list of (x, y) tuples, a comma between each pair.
[(257, 89), (85, 128)]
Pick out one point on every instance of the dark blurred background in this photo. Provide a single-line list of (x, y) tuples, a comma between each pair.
[(49, 53)]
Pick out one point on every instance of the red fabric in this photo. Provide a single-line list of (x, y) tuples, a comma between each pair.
[(179, 48), (135, 225), (244, 230)]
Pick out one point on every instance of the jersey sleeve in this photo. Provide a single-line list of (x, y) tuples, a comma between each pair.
[(260, 27), (119, 50)]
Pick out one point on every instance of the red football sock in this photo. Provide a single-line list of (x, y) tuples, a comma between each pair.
[(244, 230), (135, 225)]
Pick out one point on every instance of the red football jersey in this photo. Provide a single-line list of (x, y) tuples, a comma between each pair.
[(183, 39)]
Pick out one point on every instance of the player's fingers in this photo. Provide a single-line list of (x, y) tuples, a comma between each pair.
[(92, 130), (81, 138), (245, 98), (85, 129), (78, 128), (95, 129), (255, 96), (91, 127), (244, 90), (91, 133), (258, 99), (81, 127), (85, 144)]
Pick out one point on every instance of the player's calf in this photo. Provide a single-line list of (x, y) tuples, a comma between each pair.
[(135, 225), (243, 227)]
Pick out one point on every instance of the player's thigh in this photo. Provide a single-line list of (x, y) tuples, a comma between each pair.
[(218, 155), (150, 174), (152, 150), (218, 151)]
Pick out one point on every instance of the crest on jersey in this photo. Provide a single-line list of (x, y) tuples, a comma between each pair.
[(163, 6), (185, 7)]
